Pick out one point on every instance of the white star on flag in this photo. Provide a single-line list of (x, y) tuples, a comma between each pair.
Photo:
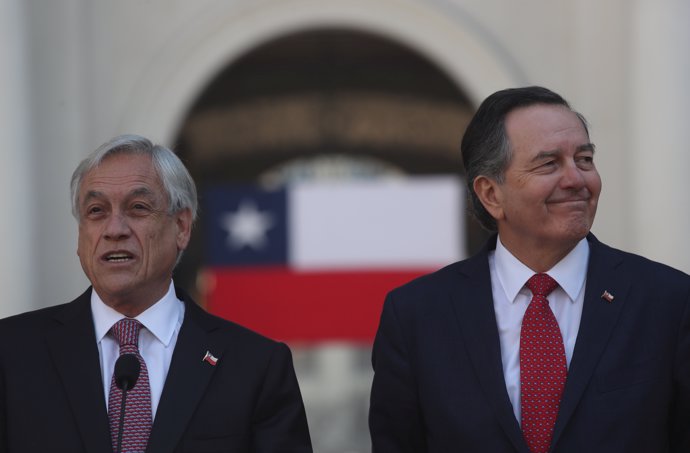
[(247, 227)]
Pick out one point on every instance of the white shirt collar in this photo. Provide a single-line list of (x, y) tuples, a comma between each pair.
[(160, 319), (570, 272)]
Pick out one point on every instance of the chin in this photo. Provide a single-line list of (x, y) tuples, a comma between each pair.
[(116, 288), (577, 232)]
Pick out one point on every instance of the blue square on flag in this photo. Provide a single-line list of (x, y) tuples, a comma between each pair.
[(245, 226)]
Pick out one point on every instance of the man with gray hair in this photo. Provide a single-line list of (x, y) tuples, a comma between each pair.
[(133, 364), (547, 340)]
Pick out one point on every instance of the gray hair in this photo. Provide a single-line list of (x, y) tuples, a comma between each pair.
[(175, 178), (485, 146)]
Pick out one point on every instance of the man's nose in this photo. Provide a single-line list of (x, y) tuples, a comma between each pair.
[(572, 177), (117, 227)]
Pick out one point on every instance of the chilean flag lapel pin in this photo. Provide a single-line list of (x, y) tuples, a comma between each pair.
[(210, 358), (607, 296)]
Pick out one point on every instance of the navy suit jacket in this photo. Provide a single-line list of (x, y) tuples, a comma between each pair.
[(439, 384), (51, 391)]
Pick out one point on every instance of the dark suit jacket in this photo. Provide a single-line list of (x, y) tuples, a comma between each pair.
[(439, 385), (51, 391)]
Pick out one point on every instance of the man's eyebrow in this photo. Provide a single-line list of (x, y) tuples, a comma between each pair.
[(91, 194), (541, 155), (141, 191), (587, 147)]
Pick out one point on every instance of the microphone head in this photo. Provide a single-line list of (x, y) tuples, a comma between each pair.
[(127, 369)]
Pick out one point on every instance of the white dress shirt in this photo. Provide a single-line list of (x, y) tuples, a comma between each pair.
[(511, 298), (161, 325)]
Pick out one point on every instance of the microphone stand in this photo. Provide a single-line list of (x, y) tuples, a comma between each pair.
[(125, 388), (126, 373)]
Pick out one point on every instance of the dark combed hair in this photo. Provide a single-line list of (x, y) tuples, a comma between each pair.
[(485, 146)]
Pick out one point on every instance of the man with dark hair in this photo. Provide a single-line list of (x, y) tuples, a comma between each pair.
[(547, 340), (194, 382)]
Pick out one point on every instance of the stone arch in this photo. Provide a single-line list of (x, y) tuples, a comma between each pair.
[(465, 52)]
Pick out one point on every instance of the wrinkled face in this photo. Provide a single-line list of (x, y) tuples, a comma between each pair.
[(551, 188), (128, 243)]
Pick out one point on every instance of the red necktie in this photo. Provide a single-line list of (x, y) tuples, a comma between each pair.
[(543, 368), (138, 418)]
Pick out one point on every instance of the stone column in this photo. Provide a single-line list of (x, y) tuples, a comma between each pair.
[(16, 181), (660, 150)]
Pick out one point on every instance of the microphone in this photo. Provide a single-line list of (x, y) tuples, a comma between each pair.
[(127, 369)]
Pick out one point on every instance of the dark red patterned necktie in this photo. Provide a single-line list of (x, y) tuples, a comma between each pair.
[(138, 418), (543, 368)]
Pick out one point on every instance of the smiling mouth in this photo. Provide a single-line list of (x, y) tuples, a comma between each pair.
[(118, 257), (577, 200)]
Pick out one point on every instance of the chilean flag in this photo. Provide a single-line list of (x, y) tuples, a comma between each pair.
[(314, 261)]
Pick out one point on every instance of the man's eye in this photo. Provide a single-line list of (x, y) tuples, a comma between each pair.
[(94, 210), (586, 160)]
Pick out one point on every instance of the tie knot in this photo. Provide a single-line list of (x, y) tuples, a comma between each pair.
[(126, 331), (541, 284)]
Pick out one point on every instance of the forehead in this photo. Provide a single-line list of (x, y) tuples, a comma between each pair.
[(544, 125), (122, 173)]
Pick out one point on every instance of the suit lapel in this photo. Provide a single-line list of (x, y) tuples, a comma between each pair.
[(473, 304), (187, 378), (599, 316), (75, 355)]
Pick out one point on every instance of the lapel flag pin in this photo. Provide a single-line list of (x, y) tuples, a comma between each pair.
[(210, 358), (607, 296)]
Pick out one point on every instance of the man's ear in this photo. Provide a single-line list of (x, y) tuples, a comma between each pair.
[(183, 221), (490, 193)]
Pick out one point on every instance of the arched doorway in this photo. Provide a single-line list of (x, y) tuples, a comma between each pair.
[(323, 104)]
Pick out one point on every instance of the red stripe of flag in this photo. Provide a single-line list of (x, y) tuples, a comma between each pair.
[(304, 306)]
